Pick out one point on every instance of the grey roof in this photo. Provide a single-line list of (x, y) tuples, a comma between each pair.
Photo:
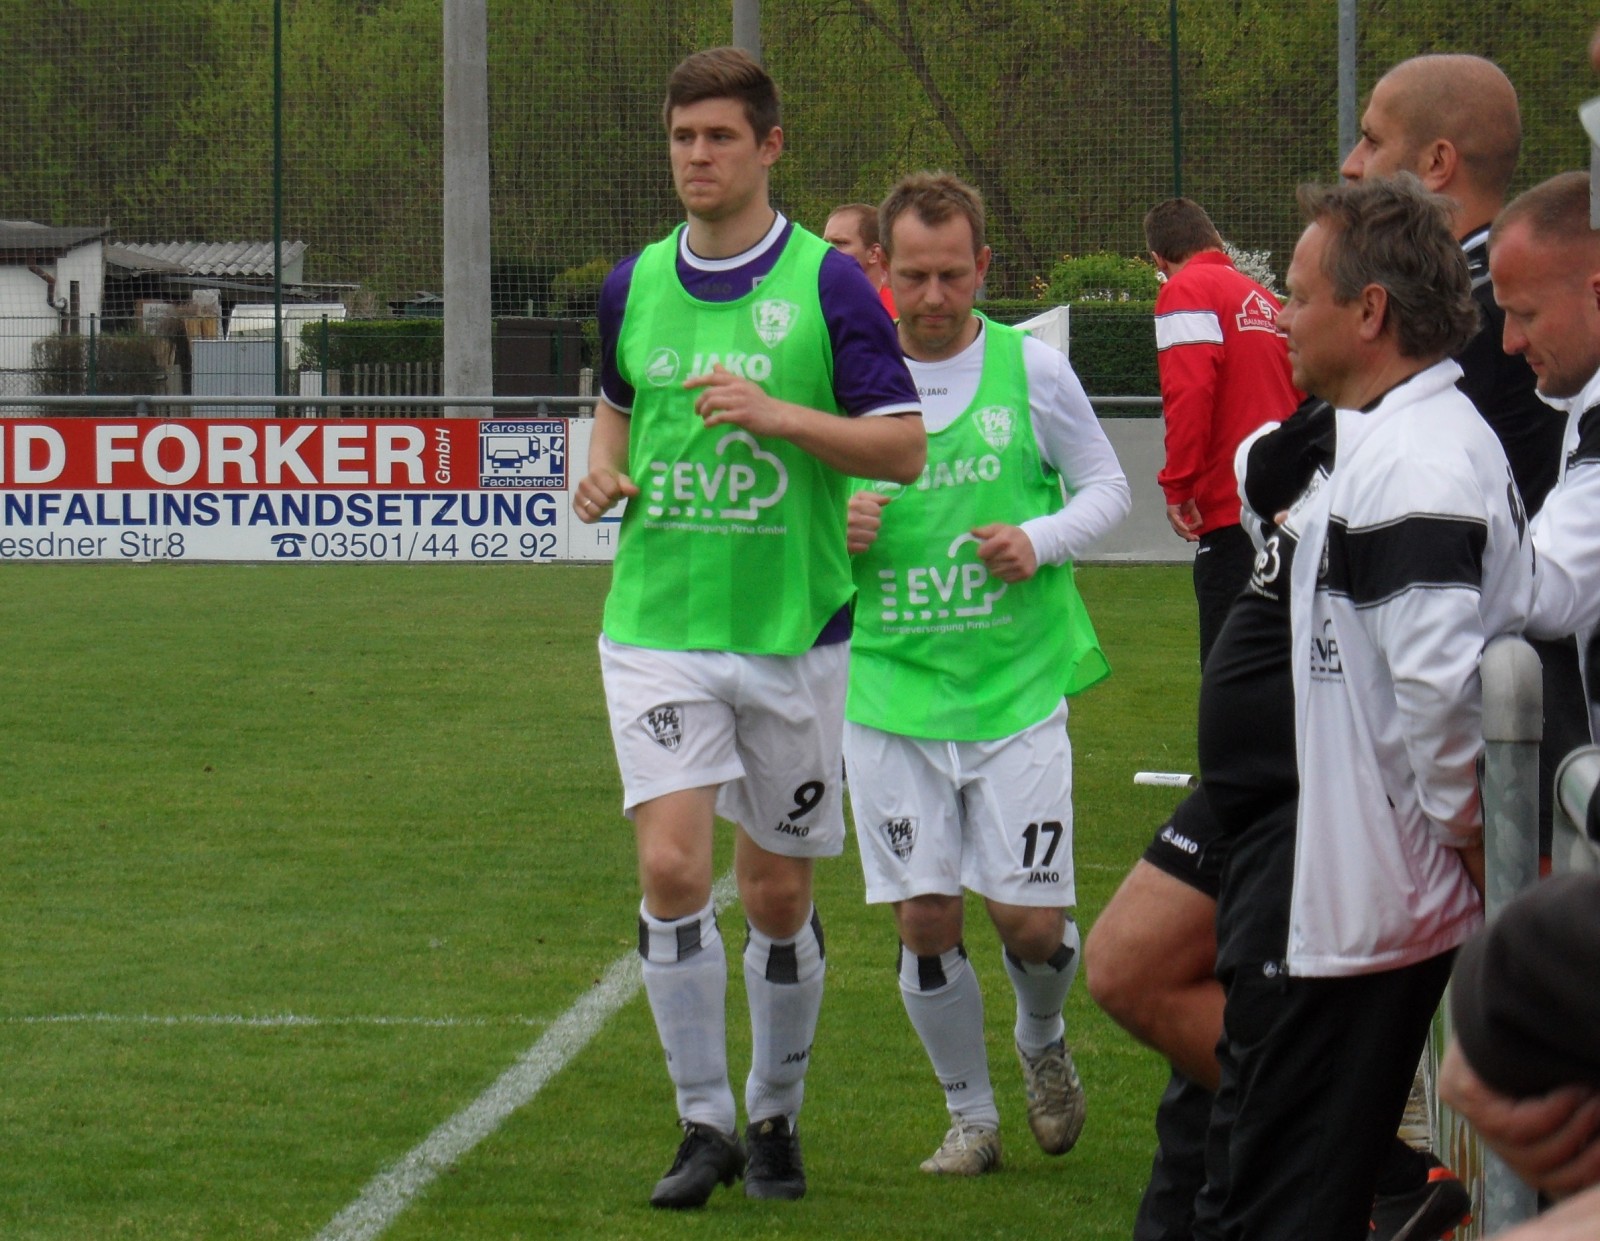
[(135, 263), (25, 235), (213, 258)]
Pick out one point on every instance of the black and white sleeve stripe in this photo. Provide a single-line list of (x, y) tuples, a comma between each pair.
[(1420, 551)]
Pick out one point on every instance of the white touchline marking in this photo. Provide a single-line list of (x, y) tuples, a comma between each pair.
[(389, 1193), (258, 1020)]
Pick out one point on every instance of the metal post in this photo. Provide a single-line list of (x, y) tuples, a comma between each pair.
[(277, 198), (747, 26), (468, 369), (1349, 127), (1177, 106), (94, 358), (1572, 850), (1513, 723)]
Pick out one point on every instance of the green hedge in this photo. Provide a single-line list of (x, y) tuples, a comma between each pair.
[(1113, 347), (352, 342), (122, 365), (1113, 343)]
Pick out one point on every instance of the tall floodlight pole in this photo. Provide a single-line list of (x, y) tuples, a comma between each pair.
[(747, 26), (468, 350), (1348, 129)]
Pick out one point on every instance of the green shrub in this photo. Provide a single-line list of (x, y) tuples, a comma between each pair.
[(575, 293), (1113, 344), (104, 365), (354, 342), (1102, 277)]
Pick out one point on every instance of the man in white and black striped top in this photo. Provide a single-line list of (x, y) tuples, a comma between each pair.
[(1546, 267)]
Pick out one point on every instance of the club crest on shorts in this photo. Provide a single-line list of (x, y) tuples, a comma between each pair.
[(900, 835), (994, 424), (773, 319), (665, 726)]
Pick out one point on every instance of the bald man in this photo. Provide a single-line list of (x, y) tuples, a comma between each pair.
[(1453, 121)]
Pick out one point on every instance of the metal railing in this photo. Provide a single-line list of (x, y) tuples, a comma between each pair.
[(146, 406)]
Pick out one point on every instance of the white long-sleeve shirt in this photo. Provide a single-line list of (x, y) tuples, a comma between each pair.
[(1066, 429), (1566, 578)]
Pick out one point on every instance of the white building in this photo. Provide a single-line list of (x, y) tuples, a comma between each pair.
[(51, 281)]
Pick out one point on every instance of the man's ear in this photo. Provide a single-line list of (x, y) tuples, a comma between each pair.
[(1374, 301), (1437, 164), (770, 147)]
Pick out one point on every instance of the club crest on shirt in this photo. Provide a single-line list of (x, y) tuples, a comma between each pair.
[(900, 835), (994, 424), (773, 319), (665, 726)]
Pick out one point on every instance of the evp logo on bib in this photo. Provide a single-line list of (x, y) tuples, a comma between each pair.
[(744, 480), (957, 591)]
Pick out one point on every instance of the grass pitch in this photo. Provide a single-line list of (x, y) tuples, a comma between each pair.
[(297, 860)]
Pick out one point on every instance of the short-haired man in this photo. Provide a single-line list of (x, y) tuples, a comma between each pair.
[(1547, 277), (1223, 373), (1452, 120), (853, 228), (969, 635), (1354, 872), (1545, 260), (732, 352)]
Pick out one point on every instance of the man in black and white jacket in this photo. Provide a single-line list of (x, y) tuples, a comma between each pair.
[(1356, 856), (1545, 261)]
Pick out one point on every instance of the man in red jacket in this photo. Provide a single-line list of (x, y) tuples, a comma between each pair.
[(1224, 372)]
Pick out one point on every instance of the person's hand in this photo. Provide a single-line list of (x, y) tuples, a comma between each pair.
[(1551, 1141), (729, 398), (1185, 520), (863, 520), (1006, 551), (1576, 1219), (598, 492)]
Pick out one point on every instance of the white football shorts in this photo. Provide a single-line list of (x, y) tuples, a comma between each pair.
[(994, 817), (766, 729)]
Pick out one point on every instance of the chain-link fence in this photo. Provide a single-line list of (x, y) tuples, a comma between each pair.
[(140, 184)]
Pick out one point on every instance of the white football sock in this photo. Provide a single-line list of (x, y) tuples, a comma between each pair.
[(1042, 990), (945, 1005), (783, 979), (686, 979)]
